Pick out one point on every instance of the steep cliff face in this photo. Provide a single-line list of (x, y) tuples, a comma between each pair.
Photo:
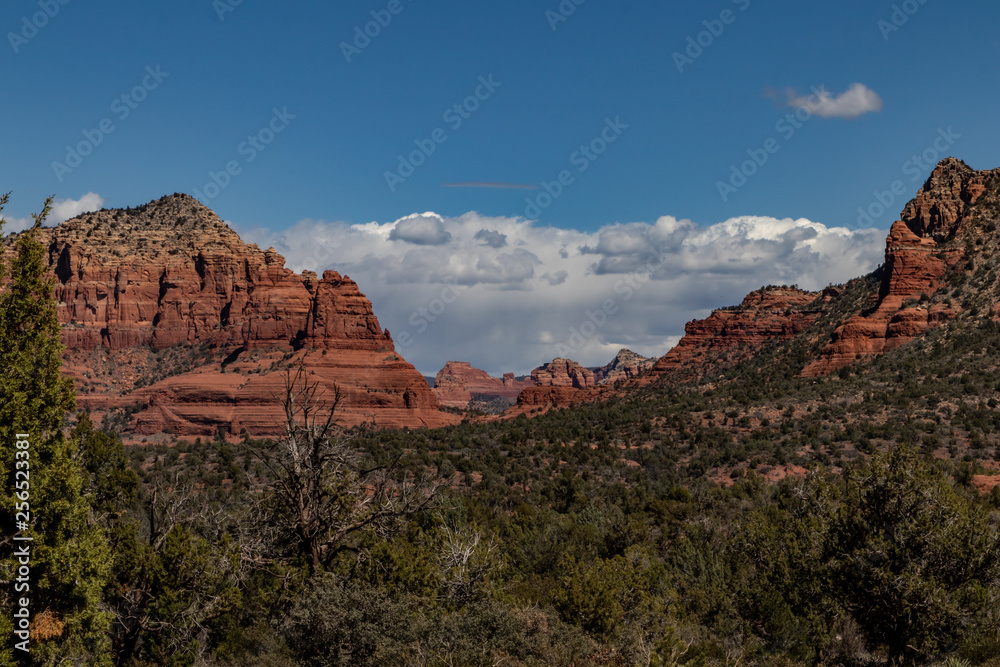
[(921, 248), (770, 313), (542, 399), (165, 310)]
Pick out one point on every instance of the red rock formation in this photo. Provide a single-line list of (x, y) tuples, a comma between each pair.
[(915, 262), (534, 400), (770, 313), (162, 304), (563, 373), (920, 249), (458, 382)]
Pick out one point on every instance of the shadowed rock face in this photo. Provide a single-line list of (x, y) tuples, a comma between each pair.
[(165, 308), (770, 313), (626, 365)]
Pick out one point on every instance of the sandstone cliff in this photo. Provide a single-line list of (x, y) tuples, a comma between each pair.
[(167, 312), (767, 314), (563, 373)]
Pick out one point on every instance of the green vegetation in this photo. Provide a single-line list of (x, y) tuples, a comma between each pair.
[(69, 553)]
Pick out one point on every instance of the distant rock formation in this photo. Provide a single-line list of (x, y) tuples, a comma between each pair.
[(563, 373), (457, 383), (626, 365)]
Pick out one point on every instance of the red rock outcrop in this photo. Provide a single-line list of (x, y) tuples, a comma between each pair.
[(770, 313), (917, 256), (457, 383), (535, 400), (165, 308), (563, 373)]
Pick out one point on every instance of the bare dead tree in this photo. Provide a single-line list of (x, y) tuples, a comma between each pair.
[(319, 493)]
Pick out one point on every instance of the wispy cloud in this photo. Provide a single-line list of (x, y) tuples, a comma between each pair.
[(856, 101), (496, 185)]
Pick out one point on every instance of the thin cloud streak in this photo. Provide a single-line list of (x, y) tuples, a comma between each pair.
[(496, 185)]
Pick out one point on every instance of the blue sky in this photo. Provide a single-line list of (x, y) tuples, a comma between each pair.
[(607, 59), (224, 73)]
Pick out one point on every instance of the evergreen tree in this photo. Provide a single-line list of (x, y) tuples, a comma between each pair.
[(69, 553), (914, 561)]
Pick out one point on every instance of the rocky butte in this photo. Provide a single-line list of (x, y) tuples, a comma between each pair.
[(167, 314)]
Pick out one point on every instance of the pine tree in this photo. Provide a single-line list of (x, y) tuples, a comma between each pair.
[(69, 552)]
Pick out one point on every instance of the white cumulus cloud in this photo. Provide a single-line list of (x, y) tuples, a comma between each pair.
[(447, 289), (856, 101), (426, 229), (62, 210)]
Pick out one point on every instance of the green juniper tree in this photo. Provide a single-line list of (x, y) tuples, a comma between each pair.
[(914, 561), (69, 552)]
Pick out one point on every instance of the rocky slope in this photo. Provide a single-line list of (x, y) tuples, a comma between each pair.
[(626, 365), (921, 248), (167, 312)]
